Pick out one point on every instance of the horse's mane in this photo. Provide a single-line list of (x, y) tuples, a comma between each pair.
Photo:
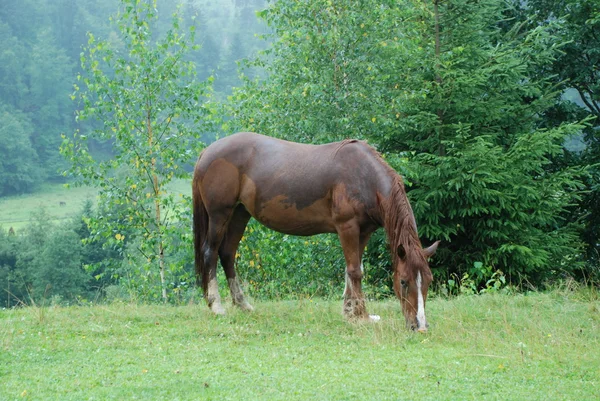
[(399, 221)]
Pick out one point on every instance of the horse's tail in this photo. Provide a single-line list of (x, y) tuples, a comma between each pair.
[(200, 231)]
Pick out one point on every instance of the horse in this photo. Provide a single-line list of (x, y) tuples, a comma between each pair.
[(301, 189)]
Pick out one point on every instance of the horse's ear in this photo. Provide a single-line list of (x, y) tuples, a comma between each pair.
[(428, 252), (401, 252)]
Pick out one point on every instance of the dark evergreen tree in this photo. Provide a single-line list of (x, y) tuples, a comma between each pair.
[(576, 69)]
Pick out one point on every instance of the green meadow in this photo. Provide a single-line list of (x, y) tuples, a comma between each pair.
[(534, 346), (59, 202)]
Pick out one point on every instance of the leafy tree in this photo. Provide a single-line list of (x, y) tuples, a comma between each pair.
[(232, 56), (483, 173), (49, 74), (149, 105), (48, 261), (454, 100), (18, 170), (98, 258), (57, 270), (12, 67), (322, 68)]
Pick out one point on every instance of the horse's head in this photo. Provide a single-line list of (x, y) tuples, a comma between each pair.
[(412, 277)]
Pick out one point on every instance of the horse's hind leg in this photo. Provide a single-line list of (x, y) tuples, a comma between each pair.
[(227, 251), (217, 226), (220, 191)]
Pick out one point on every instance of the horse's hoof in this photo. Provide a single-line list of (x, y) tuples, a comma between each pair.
[(374, 318), (218, 309), (246, 307)]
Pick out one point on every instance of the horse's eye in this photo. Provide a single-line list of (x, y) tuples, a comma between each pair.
[(404, 283)]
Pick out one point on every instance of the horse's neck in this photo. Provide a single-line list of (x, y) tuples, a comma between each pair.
[(397, 216)]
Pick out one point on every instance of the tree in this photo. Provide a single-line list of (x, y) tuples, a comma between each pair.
[(326, 70), (99, 259), (49, 74), (453, 100), (576, 67), (12, 283), (18, 168), (47, 262), (147, 102), (12, 67)]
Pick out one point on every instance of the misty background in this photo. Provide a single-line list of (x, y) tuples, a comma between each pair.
[(40, 46)]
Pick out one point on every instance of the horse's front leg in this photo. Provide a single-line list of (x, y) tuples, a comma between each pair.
[(354, 301)]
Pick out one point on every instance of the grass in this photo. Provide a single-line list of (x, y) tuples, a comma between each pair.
[(59, 202), (16, 211), (499, 347)]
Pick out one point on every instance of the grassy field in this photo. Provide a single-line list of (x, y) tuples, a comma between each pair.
[(16, 211), (490, 347), (59, 202)]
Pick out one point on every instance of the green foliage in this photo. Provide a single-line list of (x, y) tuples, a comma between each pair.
[(143, 97), (323, 71), (276, 266), (484, 177), (98, 258), (35, 76), (42, 262), (145, 284), (469, 283), (500, 207), (18, 170), (576, 68), (12, 281), (454, 88)]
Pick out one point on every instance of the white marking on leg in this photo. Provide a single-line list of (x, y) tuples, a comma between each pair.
[(238, 295), (420, 303), (214, 298), (213, 288), (345, 284), (374, 318)]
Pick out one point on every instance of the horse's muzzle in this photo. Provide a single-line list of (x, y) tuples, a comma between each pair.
[(420, 328)]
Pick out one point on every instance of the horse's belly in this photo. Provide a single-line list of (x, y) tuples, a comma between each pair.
[(283, 216), (298, 227)]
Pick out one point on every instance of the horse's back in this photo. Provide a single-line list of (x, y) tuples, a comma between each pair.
[(250, 150)]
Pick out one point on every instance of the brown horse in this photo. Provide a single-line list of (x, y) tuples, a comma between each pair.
[(343, 187)]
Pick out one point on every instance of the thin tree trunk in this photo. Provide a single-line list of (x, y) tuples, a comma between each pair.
[(156, 190), (161, 253)]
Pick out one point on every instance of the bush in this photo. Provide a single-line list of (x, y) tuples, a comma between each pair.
[(279, 266)]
